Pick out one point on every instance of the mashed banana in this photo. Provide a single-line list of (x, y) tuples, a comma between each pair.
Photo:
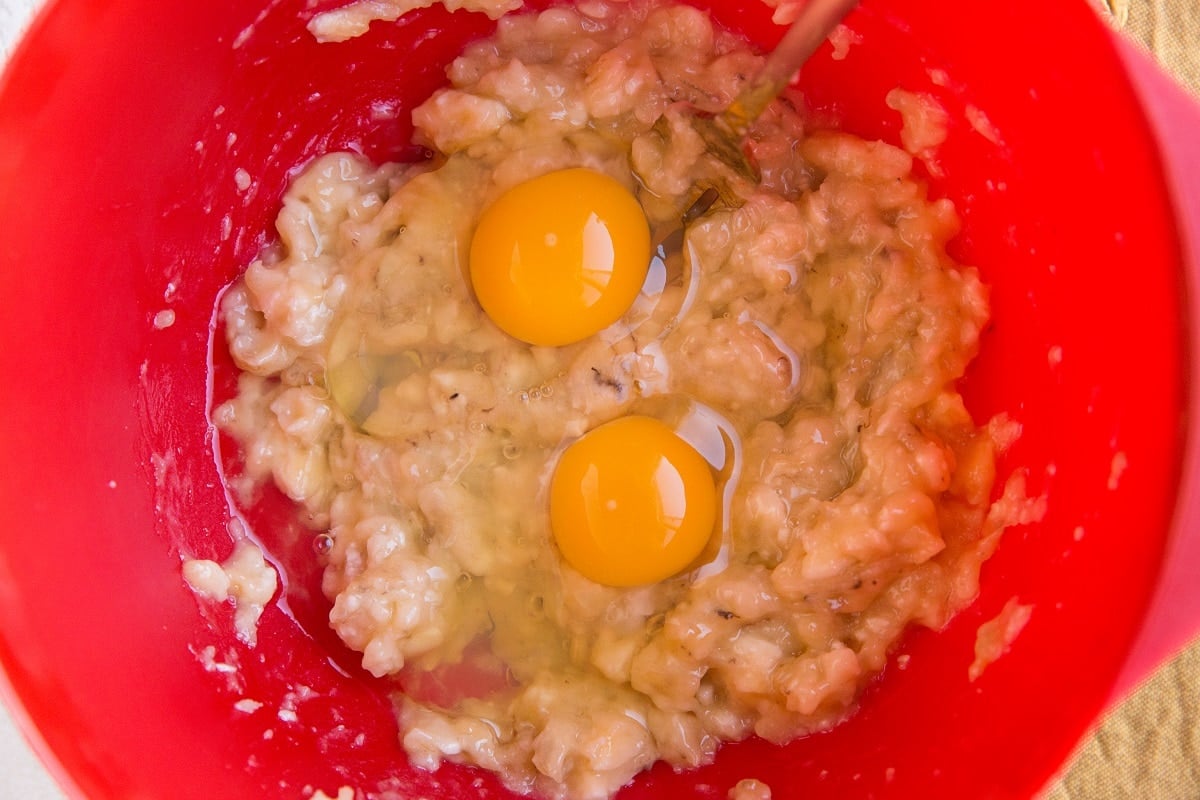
[(816, 325)]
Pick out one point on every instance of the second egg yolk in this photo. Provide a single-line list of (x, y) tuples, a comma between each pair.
[(631, 503), (560, 257)]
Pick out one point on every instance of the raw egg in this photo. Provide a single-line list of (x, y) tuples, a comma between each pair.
[(631, 503), (560, 257)]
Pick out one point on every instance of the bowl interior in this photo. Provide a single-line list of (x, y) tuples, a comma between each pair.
[(122, 123)]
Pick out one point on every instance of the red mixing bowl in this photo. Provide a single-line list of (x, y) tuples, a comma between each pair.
[(122, 123)]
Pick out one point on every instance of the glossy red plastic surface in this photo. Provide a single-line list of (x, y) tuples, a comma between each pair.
[(122, 123)]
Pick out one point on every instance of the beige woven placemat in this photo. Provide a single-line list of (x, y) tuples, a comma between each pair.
[(1169, 29), (1149, 746)]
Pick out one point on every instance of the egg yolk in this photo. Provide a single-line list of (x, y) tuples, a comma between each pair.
[(560, 257), (631, 503)]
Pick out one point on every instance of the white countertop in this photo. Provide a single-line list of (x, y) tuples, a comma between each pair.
[(22, 776)]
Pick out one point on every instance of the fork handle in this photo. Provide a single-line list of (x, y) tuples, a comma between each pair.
[(816, 21)]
